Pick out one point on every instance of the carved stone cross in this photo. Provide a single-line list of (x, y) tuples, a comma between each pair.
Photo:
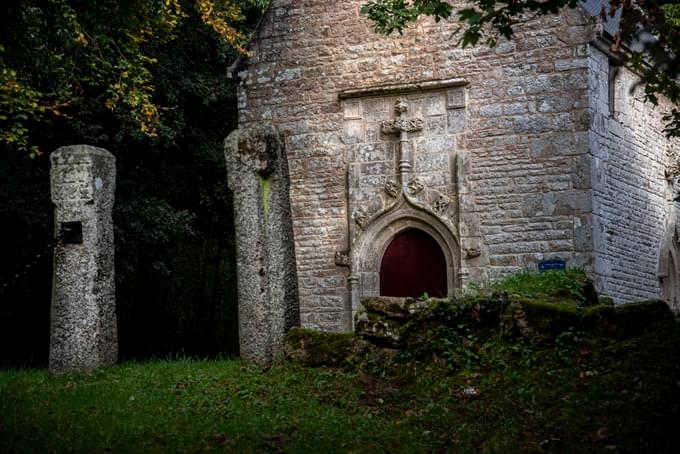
[(403, 126)]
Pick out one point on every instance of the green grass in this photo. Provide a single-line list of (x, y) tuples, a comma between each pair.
[(567, 283), (189, 405), (482, 395)]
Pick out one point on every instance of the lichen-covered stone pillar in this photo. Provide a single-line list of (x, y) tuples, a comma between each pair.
[(84, 334), (268, 303)]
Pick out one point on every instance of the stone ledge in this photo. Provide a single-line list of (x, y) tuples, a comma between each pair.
[(390, 325), (402, 88)]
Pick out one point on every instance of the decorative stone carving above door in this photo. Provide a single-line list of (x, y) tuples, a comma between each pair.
[(402, 175)]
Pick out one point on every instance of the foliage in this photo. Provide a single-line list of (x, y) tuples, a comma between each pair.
[(175, 285), (648, 40), (56, 56), (553, 283), (489, 395)]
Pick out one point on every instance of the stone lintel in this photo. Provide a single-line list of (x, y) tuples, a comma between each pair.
[(384, 90)]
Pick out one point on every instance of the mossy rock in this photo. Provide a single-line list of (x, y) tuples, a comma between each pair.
[(379, 329), (388, 306), (474, 311), (319, 348), (546, 319), (540, 319), (605, 301), (626, 320), (571, 284), (406, 322)]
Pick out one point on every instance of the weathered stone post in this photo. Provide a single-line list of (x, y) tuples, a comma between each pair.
[(83, 326), (268, 303)]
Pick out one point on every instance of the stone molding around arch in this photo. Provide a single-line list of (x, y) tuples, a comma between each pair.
[(372, 240)]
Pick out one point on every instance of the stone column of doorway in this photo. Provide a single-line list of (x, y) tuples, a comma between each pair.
[(268, 303), (83, 315)]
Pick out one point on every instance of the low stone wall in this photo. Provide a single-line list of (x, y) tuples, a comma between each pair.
[(389, 325), (406, 322)]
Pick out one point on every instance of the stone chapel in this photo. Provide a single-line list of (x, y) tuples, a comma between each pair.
[(417, 166)]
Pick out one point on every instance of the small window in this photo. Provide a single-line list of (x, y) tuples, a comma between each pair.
[(611, 82)]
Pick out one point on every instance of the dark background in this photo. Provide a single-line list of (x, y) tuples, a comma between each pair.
[(175, 269)]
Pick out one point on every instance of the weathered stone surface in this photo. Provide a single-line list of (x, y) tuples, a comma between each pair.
[(540, 320), (83, 327), (532, 157), (631, 200), (626, 320), (408, 322), (318, 348), (391, 307), (379, 330), (545, 320), (267, 283)]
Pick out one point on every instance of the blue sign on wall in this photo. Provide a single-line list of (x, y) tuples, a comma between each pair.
[(555, 264)]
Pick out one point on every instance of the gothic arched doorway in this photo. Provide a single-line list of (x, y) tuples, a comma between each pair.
[(413, 264)]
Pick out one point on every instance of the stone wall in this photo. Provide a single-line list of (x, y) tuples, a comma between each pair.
[(522, 170), (630, 196)]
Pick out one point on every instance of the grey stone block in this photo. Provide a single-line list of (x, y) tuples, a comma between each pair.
[(83, 314), (267, 279)]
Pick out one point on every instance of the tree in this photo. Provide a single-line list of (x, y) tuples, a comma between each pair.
[(172, 216), (62, 58), (647, 40)]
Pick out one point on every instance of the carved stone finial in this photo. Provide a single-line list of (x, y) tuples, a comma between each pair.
[(672, 169), (401, 106), (342, 258), (392, 188), (401, 123), (415, 186), (471, 253), (672, 172), (360, 216), (440, 205)]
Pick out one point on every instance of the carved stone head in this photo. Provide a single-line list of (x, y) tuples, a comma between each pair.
[(392, 188), (415, 186), (401, 105)]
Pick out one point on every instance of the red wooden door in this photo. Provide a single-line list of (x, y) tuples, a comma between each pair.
[(413, 264)]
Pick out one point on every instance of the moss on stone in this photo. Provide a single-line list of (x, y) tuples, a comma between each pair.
[(626, 320), (411, 324), (320, 348), (380, 329), (541, 319), (570, 284), (265, 189), (392, 307), (605, 301)]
